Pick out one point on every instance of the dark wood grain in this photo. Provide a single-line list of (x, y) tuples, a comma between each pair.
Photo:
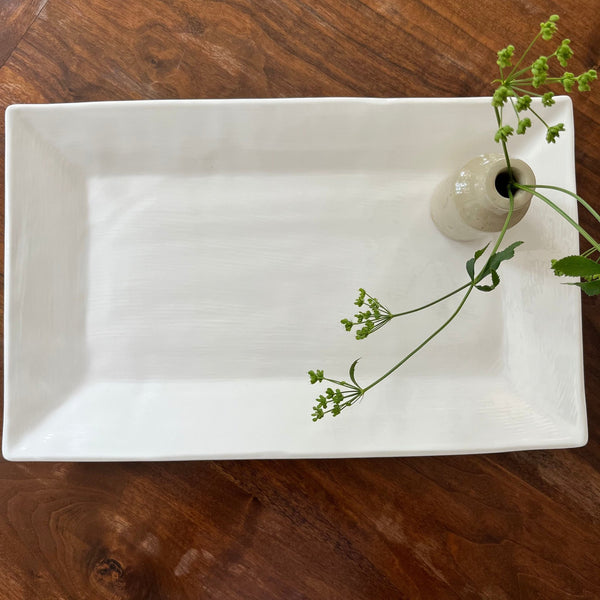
[(16, 17), (500, 527)]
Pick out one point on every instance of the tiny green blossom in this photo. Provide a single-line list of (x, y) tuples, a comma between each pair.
[(318, 413), (568, 81), (316, 376), (334, 401), (583, 81), (361, 297), (539, 69), (564, 52), (347, 323), (361, 334), (372, 318), (549, 28), (523, 125), (501, 95), (504, 56), (523, 103), (548, 99), (553, 132), (503, 133)]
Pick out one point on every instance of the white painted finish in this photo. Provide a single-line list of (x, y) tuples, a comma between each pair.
[(173, 269)]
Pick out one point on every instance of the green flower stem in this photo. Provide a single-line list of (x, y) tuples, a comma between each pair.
[(574, 195), (425, 342), (414, 310), (385, 308), (511, 207), (512, 76), (529, 93), (471, 285), (540, 118), (529, 81), (535, 39), (561, 212), (512, 101), (504, 148), (335, 381), (345, 396)]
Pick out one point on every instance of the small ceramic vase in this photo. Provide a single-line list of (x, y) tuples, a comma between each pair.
[(469, 204)]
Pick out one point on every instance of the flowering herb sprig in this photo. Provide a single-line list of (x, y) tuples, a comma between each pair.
[(515, 88), (374, 316), (519, 85), (335, 400)]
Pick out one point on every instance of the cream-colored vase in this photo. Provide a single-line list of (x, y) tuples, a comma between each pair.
[(467, 205)]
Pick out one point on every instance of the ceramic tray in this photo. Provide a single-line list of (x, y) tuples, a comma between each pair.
[(174, 268)]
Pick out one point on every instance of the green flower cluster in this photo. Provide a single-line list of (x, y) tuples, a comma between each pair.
[(523, 103), (523, 125), (335, 400), (539, 70), (505, 57), (548, 99), (548, 29), (517, 88), (513, 87), (316, 376), (553, 131), (584, 80), (503, 132), (374, 317), (564, 52)]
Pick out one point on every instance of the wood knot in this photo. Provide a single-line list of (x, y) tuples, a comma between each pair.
[(108, 570), (195, 26)]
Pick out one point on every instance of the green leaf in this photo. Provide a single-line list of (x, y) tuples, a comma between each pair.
[(591, 288), (352, 369), (576, 266), (499, 257), (489, 288), (471, 262)]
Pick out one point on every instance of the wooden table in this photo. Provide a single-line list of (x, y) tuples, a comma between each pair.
[(506, 526)]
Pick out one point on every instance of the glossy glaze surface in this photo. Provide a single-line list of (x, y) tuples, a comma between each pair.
[(166, 272)]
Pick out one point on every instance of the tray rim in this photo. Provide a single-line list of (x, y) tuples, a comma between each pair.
[(578, 440)]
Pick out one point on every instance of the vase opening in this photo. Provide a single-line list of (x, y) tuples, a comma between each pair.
[(502, 183)]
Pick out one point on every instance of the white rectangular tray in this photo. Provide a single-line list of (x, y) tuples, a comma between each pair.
[(174, 268)]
